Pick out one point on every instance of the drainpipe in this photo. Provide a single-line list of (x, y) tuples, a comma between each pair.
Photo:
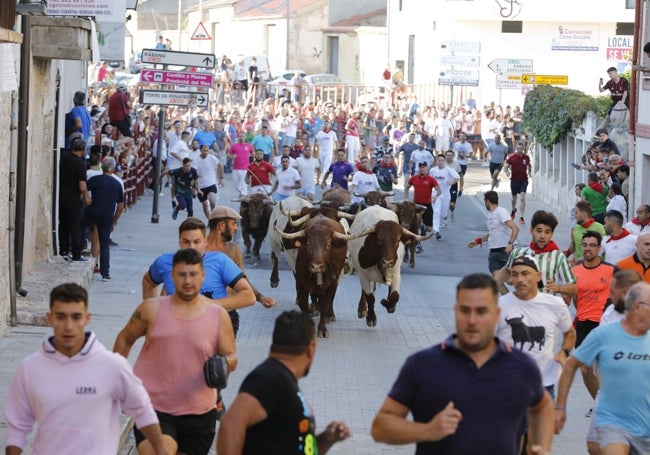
[(633, 95), (21, 165)]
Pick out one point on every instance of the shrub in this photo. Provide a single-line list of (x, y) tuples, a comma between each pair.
[(551, 113)]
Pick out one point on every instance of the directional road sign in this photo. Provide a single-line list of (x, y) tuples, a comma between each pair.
[(162, 97), (164, 57), (465, 77), (544, 79), (176, 78), (463, 61), (511, 66), (466, 47), (509, 81)]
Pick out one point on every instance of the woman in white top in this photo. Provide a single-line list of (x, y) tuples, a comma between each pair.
[(617, 200)]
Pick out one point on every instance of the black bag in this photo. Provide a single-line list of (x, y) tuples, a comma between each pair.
[(215, 371)]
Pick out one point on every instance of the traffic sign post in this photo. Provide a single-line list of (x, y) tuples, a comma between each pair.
[(511, 66), (164, 57), (544, 79), (176, 78), (200, 33), (163, 98)]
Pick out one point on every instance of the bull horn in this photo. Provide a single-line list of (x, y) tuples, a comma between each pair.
[(388, 193), (241, 199), (420, 207), (322, 202), (338, 235), (288, 236), (344, 207), (299, 221), (269, 202), (419, 238), (317, 202), (358, 194), (288, 213), (345, 215), (397, 203)]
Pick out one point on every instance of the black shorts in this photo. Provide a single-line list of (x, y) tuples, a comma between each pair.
[(244, 84), (582, 330), (463, 169), (427, 216), (497, 259), (518, 186), (205, 191), (495, 167), (124, 126), (453, 191), (194, 434)]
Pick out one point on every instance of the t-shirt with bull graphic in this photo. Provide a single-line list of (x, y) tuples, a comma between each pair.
[(532, 326)]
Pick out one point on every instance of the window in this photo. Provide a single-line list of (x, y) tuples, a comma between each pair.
[(625, 28), (629, 4), (511, 26)]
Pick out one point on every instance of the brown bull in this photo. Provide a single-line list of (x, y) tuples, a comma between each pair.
[(409, 215), (335, 197), (322, 246), (255, 211), (376, 197)]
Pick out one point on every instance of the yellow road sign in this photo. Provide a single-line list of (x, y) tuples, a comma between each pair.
[(544, 79)]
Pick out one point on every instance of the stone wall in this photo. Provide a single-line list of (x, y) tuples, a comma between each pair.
[(5, 157)]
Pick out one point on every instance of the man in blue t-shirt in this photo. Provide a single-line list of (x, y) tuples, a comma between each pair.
[(78, 119), (621, 351), (341, 170), (471, 393)]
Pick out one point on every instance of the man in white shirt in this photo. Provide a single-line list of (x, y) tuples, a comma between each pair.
[(209, 168), (307, 167), (419, 155), (175, 135), (325, 146), (288, 181), (463, 150), (277, 161), (619, 243), (363, 181), (444, 132), (446, 177), (179, 151)]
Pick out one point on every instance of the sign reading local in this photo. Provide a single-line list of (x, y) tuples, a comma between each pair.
[(164, 57), (102, 10), (176, 78), (511, 65), (160, 97), (544, 79)]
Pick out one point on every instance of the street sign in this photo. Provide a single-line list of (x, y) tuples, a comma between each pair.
[(161, 97), (544, 79), (176, 78), (200, 33), (511, 66), (465, 77), (509, 81), (463, 61), (466, 47), (164, 57)]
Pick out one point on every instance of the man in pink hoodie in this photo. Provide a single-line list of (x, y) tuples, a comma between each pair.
[(74, 389)]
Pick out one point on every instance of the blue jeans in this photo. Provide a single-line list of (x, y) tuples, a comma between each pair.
[(185, 202)]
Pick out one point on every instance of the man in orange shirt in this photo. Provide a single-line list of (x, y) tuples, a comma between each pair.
[(639, 261), (593, 278)]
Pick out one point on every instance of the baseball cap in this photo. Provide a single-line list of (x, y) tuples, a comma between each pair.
[(525, 260), (423, 163), (223, 211)]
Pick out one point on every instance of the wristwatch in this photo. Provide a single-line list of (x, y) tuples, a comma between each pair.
[(567, 352)]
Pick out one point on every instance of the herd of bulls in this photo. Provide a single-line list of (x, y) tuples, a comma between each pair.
[(322, 241)]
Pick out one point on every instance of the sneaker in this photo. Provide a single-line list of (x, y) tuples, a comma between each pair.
[(112, 243), (174, 214), (149, 191), (443, 225), (66, 255), (460, 193), (438, 236), (96, 269), (522, 221), (166, 184), (221, 408), (418, 248), (512, 214), (485, 164), (161, 194), (106, 278), (453, 217), (80, 259)]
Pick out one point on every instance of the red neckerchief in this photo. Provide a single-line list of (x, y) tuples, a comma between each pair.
[(597, 187), (623, 234), (386, 165), (588, 223), (641, 223), (550, 246), (360, 168)]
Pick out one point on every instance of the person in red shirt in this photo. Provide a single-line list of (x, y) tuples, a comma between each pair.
[(259, 174), (423, 184), (119, 105), (519, 163)]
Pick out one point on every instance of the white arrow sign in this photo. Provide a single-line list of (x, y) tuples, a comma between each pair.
[(195, 99), (467, 47), (511, 66), (469, 61), (164, 57)]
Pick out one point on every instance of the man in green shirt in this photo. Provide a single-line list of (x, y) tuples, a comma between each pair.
[(596, 194)]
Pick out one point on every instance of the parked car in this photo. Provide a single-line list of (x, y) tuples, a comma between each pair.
[(282, 81), (321, 81)]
